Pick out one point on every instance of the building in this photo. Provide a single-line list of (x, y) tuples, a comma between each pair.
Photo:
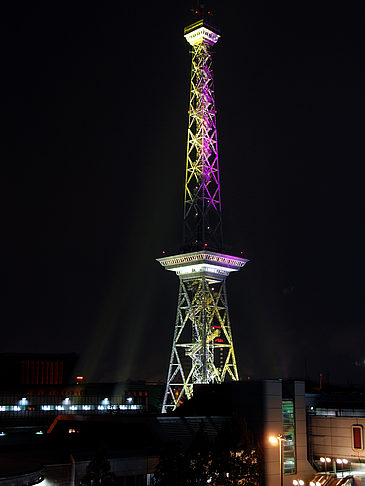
[(336, 421), (37, 369), (40, 404), (322, 435), (270, 408)]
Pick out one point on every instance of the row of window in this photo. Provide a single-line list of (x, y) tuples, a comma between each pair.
[(40, 372), (47, 408), (82, 392), (288, 419)]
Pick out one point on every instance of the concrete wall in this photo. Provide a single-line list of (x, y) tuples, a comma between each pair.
[(304, 469), (69, 474), (22, 479), (58, 474), (332, 437), (124, 466), (273, 425)]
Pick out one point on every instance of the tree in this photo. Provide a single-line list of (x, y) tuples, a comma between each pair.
[(172, 469), (236, 459), (98, 471), (199, 458), (232, 459)]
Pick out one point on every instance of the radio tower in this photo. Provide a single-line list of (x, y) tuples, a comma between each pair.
[(202, 349)]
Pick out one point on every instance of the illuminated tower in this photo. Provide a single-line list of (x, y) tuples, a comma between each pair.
[(202, 349)]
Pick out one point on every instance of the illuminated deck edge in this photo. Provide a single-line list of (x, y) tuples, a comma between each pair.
[(203, 257), (201, 32)]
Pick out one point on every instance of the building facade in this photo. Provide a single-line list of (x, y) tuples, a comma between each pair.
[(336, 423)]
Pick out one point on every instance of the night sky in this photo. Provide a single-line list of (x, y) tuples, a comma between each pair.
[(94, 119)]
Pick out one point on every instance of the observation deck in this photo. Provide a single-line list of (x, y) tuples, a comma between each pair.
[(215, 267), (200, 32)]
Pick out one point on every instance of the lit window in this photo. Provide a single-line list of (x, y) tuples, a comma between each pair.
[(288, 418)]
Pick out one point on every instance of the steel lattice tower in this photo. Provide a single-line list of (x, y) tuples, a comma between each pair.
[(202, 349)]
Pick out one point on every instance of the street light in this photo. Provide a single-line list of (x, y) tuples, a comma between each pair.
[(342, 462), (325, 460), (274, 440)]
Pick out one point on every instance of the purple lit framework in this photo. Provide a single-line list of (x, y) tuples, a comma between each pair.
[(202, 349), (202, 206)]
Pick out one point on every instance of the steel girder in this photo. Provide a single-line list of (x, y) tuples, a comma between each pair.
[(202, 204), (202, 350)]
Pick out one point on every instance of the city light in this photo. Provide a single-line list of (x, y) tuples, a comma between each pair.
[(325, 459), (274, 440)]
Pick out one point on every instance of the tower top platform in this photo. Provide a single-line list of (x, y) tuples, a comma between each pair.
[(201, 32), (214, 266)]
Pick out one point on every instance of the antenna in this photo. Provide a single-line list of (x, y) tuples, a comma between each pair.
[(200, 10)]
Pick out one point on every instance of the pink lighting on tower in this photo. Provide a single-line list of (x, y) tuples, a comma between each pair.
[(202, 348)]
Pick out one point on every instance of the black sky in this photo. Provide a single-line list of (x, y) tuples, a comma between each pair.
[(94, 118)]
